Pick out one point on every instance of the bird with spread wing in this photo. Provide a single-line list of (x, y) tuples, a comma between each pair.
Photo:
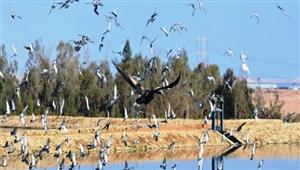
[(145, 95)]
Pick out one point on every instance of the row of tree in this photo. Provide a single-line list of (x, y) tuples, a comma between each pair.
[(67, 81)]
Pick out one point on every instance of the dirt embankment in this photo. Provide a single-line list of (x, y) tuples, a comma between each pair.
[(185, 133)]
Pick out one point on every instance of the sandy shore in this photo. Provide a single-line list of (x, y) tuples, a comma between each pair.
[(184, 132)]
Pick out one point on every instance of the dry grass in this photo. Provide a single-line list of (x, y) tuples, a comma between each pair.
[(185, 132)]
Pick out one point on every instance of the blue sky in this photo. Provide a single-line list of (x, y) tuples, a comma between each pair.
[(272, 46)]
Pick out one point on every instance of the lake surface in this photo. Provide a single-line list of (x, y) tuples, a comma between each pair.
[(228, 163), (276, 157)]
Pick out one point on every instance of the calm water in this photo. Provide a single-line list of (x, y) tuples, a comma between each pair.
[(228, 163), (276, 157)]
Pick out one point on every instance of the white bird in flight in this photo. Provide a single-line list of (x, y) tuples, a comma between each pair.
[(243, 57), (62, 104), (201, 6), (284, 12), (211, 78), (125, 114), (228, 52), (15, 53), (256, 16), (87, 103), (245, 68), (1, 75)]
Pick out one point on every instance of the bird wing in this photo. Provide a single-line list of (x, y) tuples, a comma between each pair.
[(174, 83), (95, 9), (163, 29), (280, 8), (240, 127), (127, 77), (14, 48), (50, 10), (148, 22)]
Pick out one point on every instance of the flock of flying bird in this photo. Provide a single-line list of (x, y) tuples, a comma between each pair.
[(144, 96)]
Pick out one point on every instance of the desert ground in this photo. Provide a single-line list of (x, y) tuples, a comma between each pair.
[(291, 99)]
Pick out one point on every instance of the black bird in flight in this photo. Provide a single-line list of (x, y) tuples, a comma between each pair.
[(145, 95), (152, 18)]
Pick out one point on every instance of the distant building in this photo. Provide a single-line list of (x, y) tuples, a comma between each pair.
[(269, 86), (294, 87)]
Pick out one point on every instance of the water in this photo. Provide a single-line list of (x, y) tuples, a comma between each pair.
[(230, 163), (276, 157)]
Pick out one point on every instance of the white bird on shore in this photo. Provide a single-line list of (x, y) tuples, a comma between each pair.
[(155, 121), (63, 126), (74, 162), (82, 152), (97, 136), (173, 115), (32, 118), (248, 137), (22, 114), (33, 162), (8, 111), (156, 134), (205, 137), (205, 122), (255, 113), (256, 16), (3, 161), (44, 121), (124, 138), (58, 151)]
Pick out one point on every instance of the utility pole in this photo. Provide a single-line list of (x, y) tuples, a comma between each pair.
[(202, 45)]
